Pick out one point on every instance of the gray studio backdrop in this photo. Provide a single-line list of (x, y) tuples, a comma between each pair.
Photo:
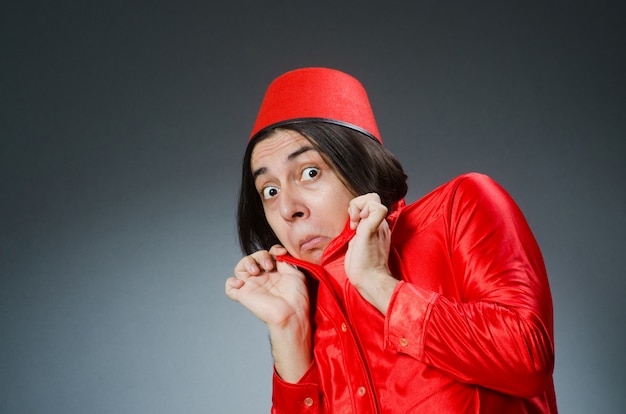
[(122, 129)]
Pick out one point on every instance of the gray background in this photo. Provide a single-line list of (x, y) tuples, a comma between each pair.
[(123, 125)]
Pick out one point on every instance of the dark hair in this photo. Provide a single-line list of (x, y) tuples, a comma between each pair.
[(361, 162)]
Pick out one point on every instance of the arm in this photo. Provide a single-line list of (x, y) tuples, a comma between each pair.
[(276, 293), (498, 334), (368, 251)]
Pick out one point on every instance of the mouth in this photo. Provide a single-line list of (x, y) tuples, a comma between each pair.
[(312, 243)]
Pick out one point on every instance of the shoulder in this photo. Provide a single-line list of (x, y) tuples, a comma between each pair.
[(477, 189), (466, 191), (477, 182), (465, 185)]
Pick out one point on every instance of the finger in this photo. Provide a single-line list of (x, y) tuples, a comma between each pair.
[(254, 264), (359, 203), (354, 210), (363, 206), (246, 267), (376, 214), (277, 250), (289, 269), (232, 287), (361, 200)]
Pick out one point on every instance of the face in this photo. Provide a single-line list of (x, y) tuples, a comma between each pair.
[(305, 202)]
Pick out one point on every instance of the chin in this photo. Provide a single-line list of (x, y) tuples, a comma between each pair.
[(314, 257)]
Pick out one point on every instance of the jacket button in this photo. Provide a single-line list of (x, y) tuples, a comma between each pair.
[(404, 342), (361, 391), (308, 401), (344, 328)]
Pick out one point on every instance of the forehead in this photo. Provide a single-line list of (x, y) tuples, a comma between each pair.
[(276, 148)]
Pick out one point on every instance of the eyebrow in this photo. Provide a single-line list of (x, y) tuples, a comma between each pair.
[(290, 157)]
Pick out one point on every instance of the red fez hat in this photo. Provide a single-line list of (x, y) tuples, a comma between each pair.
[(316, 94)]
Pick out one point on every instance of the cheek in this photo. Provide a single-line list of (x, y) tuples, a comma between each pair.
[(278, 229), (339, 214), (342, 219), (271, 220)]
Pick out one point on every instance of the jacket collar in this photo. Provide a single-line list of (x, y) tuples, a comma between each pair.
[(339, 244)]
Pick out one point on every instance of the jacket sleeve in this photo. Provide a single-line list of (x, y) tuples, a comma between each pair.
[(497, 332), (301, 397)]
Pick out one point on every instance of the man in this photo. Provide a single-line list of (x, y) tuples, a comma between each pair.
[(374, 306)]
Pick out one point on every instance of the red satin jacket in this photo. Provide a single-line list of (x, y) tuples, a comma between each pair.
[(469, 327)]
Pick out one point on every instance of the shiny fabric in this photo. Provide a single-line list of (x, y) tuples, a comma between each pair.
[(469, 327)]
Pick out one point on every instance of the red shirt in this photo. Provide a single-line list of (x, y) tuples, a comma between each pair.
[(469, 327)]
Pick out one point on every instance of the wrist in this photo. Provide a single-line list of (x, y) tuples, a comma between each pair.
[(294, 330), (380, 290), (291, 349)]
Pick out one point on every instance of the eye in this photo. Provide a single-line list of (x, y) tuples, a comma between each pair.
[(270, 192), (310, 173)]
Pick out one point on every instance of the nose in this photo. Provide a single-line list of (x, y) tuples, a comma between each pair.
[(292, 205)]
